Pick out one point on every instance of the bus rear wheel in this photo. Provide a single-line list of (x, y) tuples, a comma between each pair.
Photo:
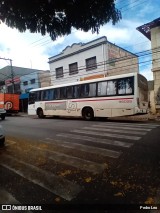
[(40, 113), (88, 114)]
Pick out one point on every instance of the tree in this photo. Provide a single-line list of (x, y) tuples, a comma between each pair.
[(57, 17)]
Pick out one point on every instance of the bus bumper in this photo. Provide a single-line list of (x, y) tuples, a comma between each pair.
[(141, 111)]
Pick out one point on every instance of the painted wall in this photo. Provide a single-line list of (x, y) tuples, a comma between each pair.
[(80, 59), (28, 78), (120, 61), (44, 78)]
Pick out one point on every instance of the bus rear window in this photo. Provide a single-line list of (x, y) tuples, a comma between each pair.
[(142, 82)]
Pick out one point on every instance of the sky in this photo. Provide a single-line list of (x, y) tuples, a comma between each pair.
[(32, 50)]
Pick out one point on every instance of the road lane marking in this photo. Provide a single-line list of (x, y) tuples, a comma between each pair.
[(85, 148), (115, 130), (107, 134), (7, 198), (76, 162), (10, 142), (152, 126), (122, 127), (95, 140), (53, 183)]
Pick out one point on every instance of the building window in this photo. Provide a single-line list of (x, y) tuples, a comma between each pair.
[(91, 63), (73, 68), (32, 81), (59, 72), (25, 83)]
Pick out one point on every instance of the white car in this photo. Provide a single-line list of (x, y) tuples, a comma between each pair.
[(2, 136)]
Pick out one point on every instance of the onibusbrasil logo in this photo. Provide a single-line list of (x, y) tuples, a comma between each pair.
[(8, 105)]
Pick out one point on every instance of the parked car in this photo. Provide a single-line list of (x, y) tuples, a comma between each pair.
[(2, 136)]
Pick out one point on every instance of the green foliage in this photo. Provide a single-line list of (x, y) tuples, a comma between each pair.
[(57, 17)]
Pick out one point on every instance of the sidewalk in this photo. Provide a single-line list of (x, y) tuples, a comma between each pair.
[(145, 117)]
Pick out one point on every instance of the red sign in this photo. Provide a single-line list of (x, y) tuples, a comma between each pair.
[(15, 80)]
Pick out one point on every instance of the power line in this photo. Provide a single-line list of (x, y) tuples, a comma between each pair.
[(102, 63), (134, 6), (127, 5), (109, 69), (144, 63)]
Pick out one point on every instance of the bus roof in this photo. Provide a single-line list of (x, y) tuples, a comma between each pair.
[(86, 81)]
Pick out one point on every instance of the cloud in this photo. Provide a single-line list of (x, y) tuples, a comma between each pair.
[(16, 47)]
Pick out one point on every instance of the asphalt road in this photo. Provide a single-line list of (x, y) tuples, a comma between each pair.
[(75, 164)]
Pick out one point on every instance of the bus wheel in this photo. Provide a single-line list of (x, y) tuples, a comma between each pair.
[(40, 113), (88, 114)]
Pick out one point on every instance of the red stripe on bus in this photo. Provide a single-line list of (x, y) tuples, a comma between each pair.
[(56, 102), (106, 99)]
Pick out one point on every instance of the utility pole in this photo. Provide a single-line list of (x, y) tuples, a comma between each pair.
[(12, 74)]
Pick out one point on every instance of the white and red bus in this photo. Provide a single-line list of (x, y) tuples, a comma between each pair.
[(112, 96)]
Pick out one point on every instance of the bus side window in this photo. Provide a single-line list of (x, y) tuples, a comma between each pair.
[(102, 88), (129, 85), (63, 92), (112, 87), (92, 90), (69, 92), (47, 95), (76, 91), (50, 94), (84, 90), (57, 93), (121, 87), (125, 86), (38, 96)]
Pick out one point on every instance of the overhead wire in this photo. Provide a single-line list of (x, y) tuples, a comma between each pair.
[(66, 71), (144, 63), (102, 63)]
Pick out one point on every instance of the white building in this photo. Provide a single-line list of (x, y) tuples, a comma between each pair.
[(94, 59)]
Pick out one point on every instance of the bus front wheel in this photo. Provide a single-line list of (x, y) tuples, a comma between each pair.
[(40, 113), (88, 114)]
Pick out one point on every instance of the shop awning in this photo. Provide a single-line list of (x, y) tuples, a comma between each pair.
[(24, 96)]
